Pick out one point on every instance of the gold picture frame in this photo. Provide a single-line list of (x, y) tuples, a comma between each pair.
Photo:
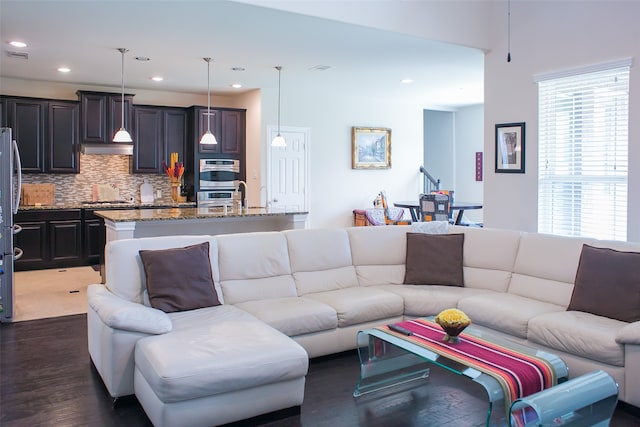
[(371, 148)]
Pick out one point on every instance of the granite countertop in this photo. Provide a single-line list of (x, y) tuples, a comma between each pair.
[(126, 205), (189, 213)]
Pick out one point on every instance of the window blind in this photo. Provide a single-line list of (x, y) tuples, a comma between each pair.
[(583, 154)]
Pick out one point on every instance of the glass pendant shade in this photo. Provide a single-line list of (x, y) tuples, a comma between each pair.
[(279, 140), (208, 138), (122, 135)]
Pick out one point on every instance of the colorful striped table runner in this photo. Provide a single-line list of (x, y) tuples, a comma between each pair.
[(519, 374)]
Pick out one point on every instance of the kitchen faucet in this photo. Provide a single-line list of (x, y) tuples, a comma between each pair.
[(266, 194), (246, 193)]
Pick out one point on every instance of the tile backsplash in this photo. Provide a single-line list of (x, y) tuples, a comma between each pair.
[(101, 169)]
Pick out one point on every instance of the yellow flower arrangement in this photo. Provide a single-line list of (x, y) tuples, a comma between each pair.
[(452, 321)]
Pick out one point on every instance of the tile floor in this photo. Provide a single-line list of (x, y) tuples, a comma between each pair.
[(41, 294)]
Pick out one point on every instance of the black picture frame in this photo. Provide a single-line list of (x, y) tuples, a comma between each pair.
[(510, 147)]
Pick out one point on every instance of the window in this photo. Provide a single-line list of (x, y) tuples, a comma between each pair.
[(583, 152)]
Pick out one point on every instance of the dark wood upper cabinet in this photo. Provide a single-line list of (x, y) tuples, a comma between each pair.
[(100, 115), (227, 125), (27, 117), (63, 127), (147, 140), (211, 121), (175, 124), (158, 132)]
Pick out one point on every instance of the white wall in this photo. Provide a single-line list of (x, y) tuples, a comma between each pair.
[(335, 188), (469, 137), (550, 36)]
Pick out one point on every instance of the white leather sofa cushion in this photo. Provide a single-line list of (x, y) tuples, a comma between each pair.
[(504, 312), (325, 280), (252, 255), (293, 316), (576, 332), (118, 313), (320, 260), (429, 300), (360, 304), (488, 256), (124, 271), (376, 275), (629, 334), (223, 357), (379, 254), (254, 266), (237, 291), (545, 267)]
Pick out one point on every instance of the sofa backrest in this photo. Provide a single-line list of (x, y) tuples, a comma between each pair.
[(488, 256), (254, 266), (545, 267), (320, 260), (124, 271), (379, 254)]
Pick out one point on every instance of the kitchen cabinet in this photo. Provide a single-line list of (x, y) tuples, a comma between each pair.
[(228, 126), (94, 235), (49, 239), (158, 132), (47, 134), (100, 115), (26, 118), (147, 140), (65, 240), (63, 128)]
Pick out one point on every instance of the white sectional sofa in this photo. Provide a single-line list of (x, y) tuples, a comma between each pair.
[(287, 296)]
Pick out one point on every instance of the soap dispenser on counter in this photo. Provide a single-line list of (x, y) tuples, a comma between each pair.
[(146, 192)]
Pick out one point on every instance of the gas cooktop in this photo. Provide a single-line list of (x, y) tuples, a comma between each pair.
[(108, 202)]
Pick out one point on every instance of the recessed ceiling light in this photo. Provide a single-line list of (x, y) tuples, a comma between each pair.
[(16, 43), (320, 68), (64, 69), (406, 81), (157, 78), (142, 58), (236, 85)]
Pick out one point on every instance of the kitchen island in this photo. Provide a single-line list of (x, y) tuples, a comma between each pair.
[(135, 223)]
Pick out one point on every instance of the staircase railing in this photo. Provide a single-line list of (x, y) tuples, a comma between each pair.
[(429, 182)]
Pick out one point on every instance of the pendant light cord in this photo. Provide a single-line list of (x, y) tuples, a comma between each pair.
[(279, 68), (508, 30), (123, 51), (208, 94)]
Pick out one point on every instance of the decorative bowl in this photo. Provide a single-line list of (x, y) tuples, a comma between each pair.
[(453, 322)]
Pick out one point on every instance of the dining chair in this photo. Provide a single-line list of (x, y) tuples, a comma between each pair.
[(435, 207), (388, 218)]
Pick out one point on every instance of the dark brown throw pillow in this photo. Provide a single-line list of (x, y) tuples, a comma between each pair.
[(607, 284), (434, 259), (179, 279)]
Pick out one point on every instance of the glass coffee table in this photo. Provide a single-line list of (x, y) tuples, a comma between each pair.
[(387, 360)]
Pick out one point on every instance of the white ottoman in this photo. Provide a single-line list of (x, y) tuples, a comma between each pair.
[(218, 373)]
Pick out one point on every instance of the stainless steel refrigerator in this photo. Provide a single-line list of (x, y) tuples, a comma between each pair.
[(10, 186)]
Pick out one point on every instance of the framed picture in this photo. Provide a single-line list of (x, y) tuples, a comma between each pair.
[(371, 148), (510, 148)]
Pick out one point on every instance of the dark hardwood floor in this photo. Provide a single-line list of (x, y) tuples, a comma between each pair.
[(47, 379)]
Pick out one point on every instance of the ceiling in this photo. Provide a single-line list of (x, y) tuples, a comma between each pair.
[(176, 35)]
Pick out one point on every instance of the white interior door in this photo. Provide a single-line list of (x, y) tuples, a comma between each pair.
[(288, 169)]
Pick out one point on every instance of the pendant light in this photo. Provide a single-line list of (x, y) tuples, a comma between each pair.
[(122, 135), (279, 141), (208, 138)]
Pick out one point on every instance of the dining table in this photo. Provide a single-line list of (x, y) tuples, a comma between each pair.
[(414, 209)]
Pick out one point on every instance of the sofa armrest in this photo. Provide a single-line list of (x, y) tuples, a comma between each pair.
[(119, 313), (629, 334)]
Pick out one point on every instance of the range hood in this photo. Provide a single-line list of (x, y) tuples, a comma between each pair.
[(111, 148)]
